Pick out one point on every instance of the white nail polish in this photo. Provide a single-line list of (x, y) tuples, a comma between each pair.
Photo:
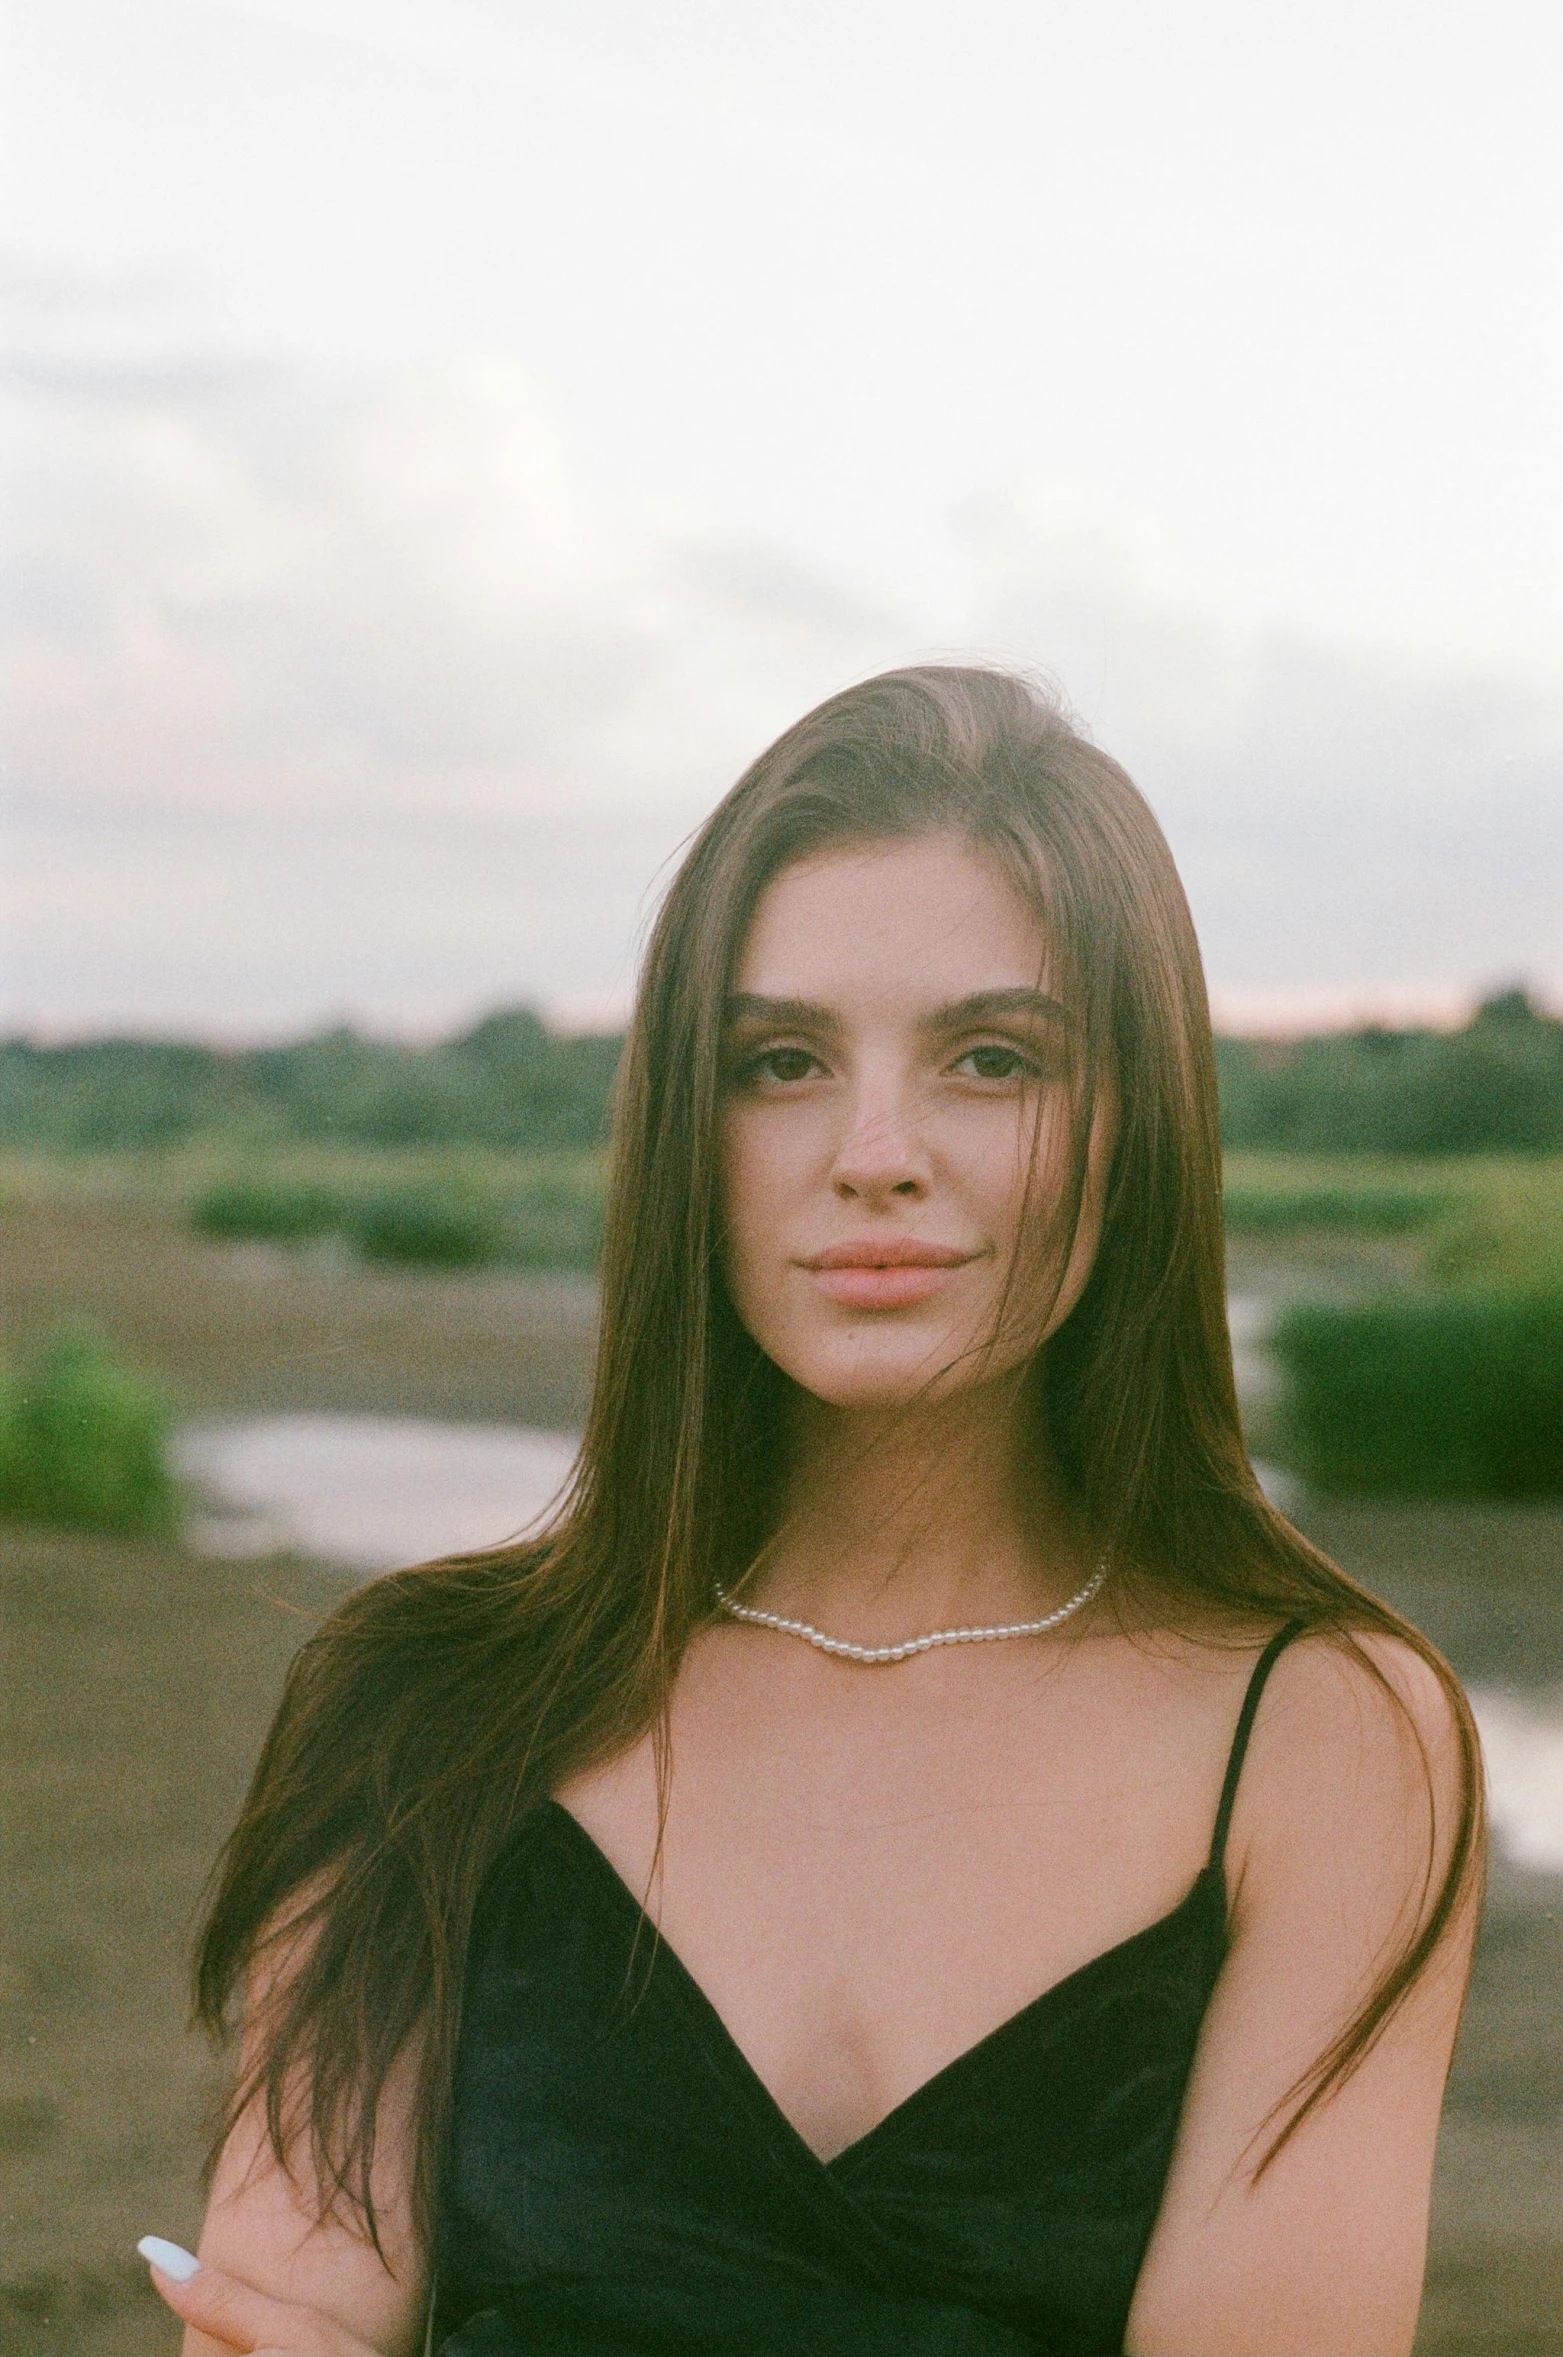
[(180, 2264)]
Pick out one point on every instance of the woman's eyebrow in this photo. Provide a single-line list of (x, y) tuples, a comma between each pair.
[(747, 1006), (986, 1006), (983, 1006)]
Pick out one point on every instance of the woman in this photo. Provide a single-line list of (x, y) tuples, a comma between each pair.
[(1059, 1880)]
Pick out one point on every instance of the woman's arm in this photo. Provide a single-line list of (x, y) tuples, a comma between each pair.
[(1332, 1837), (262, 2227), (261, 2231)]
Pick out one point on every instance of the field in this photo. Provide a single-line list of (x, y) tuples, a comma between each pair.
[(228, 1327), (1471, 1219), (138, 1679)]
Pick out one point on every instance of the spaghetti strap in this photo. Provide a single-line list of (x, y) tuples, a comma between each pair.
[(1245, 1727)]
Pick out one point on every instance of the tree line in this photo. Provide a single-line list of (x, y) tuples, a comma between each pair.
[(510, 1082), (1494, 1086)]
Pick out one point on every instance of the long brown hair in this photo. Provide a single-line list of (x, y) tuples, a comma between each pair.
[(437, 1705)]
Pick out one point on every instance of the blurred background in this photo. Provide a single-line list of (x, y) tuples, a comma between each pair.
[(444, 440)]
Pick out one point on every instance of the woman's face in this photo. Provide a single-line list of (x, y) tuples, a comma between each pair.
[(896, 1109)]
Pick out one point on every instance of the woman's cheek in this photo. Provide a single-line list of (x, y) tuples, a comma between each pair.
[(995, 1158)]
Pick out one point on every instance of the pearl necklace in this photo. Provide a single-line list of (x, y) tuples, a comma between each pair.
[(846, 1651)]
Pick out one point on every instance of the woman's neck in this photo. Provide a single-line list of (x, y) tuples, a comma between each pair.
[(947, 1514)]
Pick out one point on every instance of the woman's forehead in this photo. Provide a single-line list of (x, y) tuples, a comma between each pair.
[(929, 916)]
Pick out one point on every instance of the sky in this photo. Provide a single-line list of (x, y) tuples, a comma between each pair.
[(446, 439)]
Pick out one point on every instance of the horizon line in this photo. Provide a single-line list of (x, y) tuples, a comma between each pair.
[(1235, 1014)]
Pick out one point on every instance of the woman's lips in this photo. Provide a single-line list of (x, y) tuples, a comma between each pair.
[(887, 1288), (883, 1276)]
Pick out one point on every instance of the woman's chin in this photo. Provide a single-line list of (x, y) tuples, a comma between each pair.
[(880, 1383)]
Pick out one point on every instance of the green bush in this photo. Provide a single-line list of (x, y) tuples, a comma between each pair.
[(274, 1211), (556, 1221), (1368, 1210), (427, 1227), (553, 1220), (1456, 1395), (83, 1442), (543, 1215)]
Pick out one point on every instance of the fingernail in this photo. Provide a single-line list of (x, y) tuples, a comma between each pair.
[(169, 2256)]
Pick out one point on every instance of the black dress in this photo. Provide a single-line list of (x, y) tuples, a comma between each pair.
[(622, 2185)]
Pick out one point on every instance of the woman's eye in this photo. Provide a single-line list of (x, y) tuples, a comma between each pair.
[(995, 1063), (781, 1064)]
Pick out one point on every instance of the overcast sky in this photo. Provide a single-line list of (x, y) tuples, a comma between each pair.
[(448, 437)]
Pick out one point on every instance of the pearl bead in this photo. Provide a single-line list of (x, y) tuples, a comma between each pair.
[(843, 1649)]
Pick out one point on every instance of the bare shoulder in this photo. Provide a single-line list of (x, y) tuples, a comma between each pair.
[(1329, 1675), (1364, 1700), (1360, 1774)]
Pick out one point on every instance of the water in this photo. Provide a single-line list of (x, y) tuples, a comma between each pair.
[(368, 1492), (1522, 1740), (372, 1492), (1250, 1317)]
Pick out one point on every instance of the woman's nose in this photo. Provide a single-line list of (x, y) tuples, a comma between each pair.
[(880, 1157)]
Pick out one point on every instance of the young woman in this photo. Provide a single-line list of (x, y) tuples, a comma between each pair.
[(919, 1858)]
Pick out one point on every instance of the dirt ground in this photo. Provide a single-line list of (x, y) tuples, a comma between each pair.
[(137, 1686), (137, 1680)]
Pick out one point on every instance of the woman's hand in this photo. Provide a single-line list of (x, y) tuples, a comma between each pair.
[(237, 2316)]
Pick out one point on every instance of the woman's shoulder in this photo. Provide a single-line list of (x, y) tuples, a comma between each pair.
[(410, 1629), (1361, 1766), (403, 1693), (1317, 1687), (1354, 1694), (392, 1760)]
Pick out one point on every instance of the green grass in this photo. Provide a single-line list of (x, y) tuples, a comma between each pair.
[(1331, 1210), (414, 1206), (83, 1442), (1489, 1222), (1504, 1236)]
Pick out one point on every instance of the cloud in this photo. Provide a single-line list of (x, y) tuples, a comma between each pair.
[(410, 602), (328, 695), (264, 634), (1349, 823)]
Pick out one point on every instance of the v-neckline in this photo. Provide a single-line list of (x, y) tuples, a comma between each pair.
[(890, 2122)]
